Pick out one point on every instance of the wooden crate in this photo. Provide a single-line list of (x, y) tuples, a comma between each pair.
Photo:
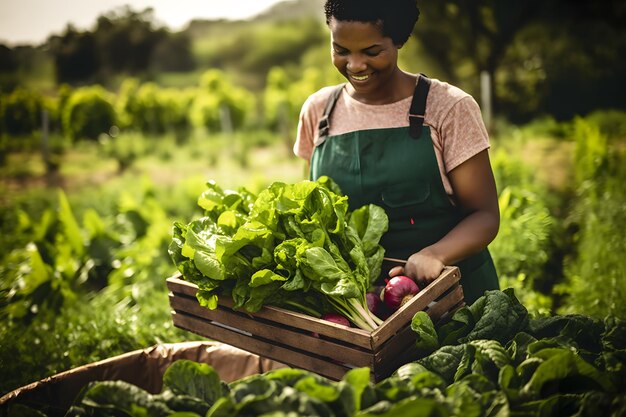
[(286, 336)]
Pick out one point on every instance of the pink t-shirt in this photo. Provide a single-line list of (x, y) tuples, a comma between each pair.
[(456, 125)]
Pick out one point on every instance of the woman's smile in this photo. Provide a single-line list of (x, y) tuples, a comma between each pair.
[(360, 78)]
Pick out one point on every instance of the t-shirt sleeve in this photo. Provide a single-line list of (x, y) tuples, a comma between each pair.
[(307, 127), (463, 132)]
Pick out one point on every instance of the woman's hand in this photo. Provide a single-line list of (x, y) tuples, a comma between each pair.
[(423, 267)]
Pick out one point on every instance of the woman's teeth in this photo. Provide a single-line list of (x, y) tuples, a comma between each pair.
[(360, 77)]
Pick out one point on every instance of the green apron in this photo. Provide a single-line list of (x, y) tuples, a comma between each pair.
[(396, 168)]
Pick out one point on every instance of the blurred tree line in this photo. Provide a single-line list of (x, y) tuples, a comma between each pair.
[(554, 57), (122, 42)]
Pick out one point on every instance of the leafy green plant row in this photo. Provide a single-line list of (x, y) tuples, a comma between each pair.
[(491, 359), (216, 104)]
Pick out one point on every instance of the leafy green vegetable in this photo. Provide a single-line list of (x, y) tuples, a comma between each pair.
[(185, 377), (275, 248), (425, 332), (119, 397), (560, 365), (497, 315)]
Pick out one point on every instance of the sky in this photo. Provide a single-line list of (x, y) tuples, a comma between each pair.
[(32, 21)]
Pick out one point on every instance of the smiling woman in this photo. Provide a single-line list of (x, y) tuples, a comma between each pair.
[(413, 145)]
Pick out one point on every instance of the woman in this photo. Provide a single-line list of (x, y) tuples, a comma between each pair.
[(415, 146)]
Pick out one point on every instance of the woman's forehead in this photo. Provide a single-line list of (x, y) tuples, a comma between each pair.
[(355, 31)]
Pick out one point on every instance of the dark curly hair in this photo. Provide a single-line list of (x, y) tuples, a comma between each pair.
[(396, 18)]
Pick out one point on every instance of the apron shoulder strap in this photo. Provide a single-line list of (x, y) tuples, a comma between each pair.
[(418, 106), (324, 125), (416, 111)]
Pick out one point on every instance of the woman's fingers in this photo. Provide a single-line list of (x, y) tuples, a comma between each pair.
[(396, 270)]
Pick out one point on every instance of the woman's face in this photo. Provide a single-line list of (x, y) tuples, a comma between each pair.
[(364, 56)]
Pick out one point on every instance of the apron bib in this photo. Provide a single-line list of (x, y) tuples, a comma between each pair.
[(396, 169)]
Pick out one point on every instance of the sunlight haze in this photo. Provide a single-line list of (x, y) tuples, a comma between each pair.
[(32, 21)]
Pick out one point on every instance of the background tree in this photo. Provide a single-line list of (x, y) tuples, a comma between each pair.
[(74, 54), (538, 53), (467, 37), (126, 40), (173, 53), (123, 41)]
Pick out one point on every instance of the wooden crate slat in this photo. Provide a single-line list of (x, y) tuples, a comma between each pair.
[(323, 347), (419, 302), (180, 286), (386, 367), (355, 336), (446, 303), (287, 356), (404, 340)]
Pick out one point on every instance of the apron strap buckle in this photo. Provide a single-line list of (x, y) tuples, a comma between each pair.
[(323, 126), (416, 122)]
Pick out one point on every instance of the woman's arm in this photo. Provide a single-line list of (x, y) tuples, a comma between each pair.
[(475, 191)]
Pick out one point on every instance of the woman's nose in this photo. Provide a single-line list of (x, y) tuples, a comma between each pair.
[(356, 64)]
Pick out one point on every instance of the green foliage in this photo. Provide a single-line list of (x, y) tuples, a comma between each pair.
[(60, 259), (88, 113), (595, 273), (521, 249), (192, 388), (612, 123), (596, 277), (126, 103), (151, 109), (284, 96), (80, 333), (278, 110), (591, 150), (125, 148), (20, 112), (493, 356), (102, 276), (219, 105)]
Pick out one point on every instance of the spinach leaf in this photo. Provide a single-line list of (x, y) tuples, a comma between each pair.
[(199, 380), (445, 361), (562, 371), (497, 315), (119, 397), (424, 329)]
